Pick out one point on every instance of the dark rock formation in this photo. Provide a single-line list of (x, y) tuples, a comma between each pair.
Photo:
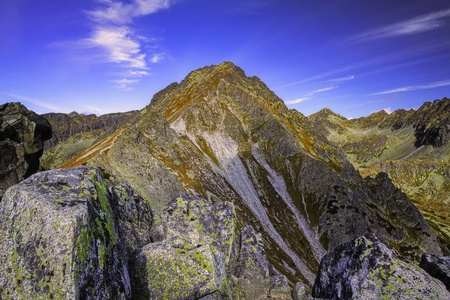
[(438, 267), (22, 136), (366, 268)]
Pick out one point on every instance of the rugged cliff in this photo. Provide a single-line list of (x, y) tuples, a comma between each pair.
[(226, 137), (22, 136)]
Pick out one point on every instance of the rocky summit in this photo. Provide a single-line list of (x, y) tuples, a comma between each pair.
[(216, 190)]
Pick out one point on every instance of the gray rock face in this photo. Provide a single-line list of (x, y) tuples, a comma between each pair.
[(198, 245), (279, 288), (134, 217), (59, 239), (22, 136), (299, 292), (253, 267), (365, 268), (438, 267)]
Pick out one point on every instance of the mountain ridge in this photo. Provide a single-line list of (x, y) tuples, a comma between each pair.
[(217, 136)]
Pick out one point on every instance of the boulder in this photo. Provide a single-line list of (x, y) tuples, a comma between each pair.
[(198, 245), (279, 288), (438, 267), (365, 268), (299, 292), (22, 136), (58, 239), (253, 267), (134, 217)]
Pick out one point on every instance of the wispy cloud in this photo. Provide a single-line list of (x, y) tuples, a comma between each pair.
[(341, 79), (117, 12), (415, 87), (157, 57), (423, 23), (112, 32), (126, 83), (307, 96), (34, 101), (120, 46)]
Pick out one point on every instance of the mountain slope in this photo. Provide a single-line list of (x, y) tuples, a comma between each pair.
[(412, 147), (225, 136), (73, 133)]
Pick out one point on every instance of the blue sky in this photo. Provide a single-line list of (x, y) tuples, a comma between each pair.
[(354, 57)]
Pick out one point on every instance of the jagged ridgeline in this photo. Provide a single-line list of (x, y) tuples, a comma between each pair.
[(226, 137)]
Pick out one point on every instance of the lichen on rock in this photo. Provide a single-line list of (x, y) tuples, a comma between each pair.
[(366, 268), (59, 239)]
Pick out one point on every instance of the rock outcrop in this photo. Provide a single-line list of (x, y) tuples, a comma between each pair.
[(366, 268), (59, 239), (438, 267), (22, 136), (65, 235)]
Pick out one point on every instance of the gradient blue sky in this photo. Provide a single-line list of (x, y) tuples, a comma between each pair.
[(354, 57)]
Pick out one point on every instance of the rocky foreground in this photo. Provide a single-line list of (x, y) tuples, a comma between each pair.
[(64, 234)]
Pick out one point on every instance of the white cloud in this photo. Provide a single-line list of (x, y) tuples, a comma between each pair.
[(119, 45), (416, 25), (309, 95), (316, 77), (415, 87), (117, 12), (112, 32), (295, 101), (34, 101), (126, 83), (341, 79), (157, 57)]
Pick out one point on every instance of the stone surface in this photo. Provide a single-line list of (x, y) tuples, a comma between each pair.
[(365, 268), (299, 292), (133, 215), (22, 136), (59, 239), (195, 257), (438, 267), (279, 288), (253, 267)]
